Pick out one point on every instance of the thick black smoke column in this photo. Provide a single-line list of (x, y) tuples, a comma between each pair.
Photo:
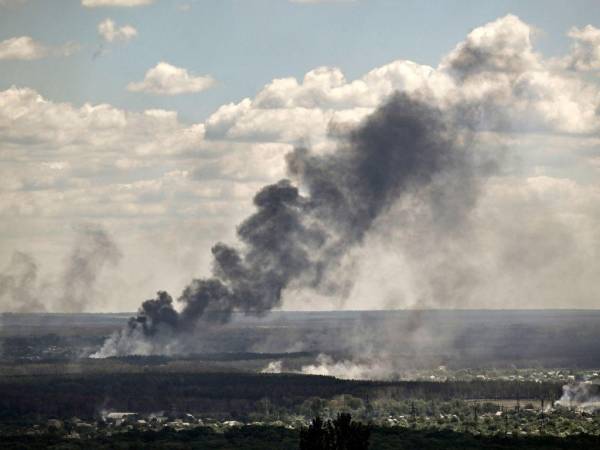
[(299, 240)]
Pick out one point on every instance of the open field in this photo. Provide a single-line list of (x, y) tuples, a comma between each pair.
[(408, 339)]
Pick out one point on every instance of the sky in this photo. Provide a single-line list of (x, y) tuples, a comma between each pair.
[(150, 124), (244, 44)]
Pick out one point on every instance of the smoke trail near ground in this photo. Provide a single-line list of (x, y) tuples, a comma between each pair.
[(350, 369), (22, 290), (305, 226), (273, 367), (585, 396)]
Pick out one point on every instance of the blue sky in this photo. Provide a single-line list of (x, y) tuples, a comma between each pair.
[(244, 44)]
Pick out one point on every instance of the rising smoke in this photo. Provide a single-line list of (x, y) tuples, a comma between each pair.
[(380, 369), (19, 284), (22, 290), (94, 249), (305, 226), (584, 396)]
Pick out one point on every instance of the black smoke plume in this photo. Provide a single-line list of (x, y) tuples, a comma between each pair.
[(305, 225)]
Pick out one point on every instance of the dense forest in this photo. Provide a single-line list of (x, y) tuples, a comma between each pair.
[(226, 394)]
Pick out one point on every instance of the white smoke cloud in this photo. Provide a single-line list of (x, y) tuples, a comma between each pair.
[(273, 367), (584, 396), (73, 289), (349, 369)]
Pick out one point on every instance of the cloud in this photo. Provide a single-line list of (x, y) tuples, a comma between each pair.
[(26, 118), (585, 51), (117, 3), (291, 111), (498, 76), (160, 180), (23, 47), (496, 80), (503, 45), (26, 48), (110, 32), (66, 164), (494, 77), (166, 79)]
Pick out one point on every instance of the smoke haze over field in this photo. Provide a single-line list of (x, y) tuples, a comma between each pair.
[(300, 241), (93, 250), (18, 284), (584, 395), (466, 180), (171, 176), (74, 289)]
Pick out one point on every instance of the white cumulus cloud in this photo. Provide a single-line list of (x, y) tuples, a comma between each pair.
[(26, 48), (27, 118), (23, 47), (166, 79), (585, 51), (110, 32)]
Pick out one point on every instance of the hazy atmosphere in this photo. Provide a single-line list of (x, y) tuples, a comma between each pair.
[(299, 224), (135, 134)]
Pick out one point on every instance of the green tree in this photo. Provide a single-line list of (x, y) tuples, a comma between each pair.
[(340, 434), (315, 437)]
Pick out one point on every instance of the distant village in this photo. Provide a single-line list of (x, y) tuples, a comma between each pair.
[(123, 422), (479, 418)]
